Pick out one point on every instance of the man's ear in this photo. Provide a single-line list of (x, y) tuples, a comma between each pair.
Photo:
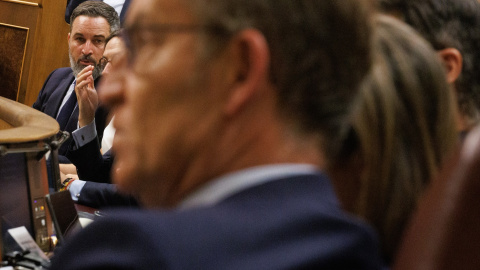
[(251, 57), (68, 38), (453, 61)]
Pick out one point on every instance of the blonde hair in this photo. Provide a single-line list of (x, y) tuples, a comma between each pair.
[(403, 125)]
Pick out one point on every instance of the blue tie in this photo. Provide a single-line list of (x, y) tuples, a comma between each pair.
[(67, 109)]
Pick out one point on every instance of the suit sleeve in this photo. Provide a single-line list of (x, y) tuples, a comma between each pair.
[(91, 164), (102, 195)]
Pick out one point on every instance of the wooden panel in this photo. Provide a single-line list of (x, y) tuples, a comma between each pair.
[(20, 15), (25, 2), (47, 47), (13, 41), (50, 49)]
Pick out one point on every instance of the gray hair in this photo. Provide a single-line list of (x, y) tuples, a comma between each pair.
[(97, 9)]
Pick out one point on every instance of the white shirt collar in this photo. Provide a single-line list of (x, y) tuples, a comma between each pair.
[(70, 91), (229, 184)]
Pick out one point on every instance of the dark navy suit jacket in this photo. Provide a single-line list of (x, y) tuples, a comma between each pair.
[(104, 195), (95, 168), (49, 101), (91, 164), (292, 223)]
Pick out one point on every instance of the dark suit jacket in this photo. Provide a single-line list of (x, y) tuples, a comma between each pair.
[(72, 4), (103, 195), (49, 101), (91, 164), (294, 223), (95, 168)]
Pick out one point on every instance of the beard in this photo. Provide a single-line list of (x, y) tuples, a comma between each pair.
[(77, 67)]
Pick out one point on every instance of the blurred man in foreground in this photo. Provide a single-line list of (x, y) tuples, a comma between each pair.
[(224, 115)]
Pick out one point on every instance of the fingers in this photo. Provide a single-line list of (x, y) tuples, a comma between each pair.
[(85, 78), (85, 87), (87, 96), (67, 168), (85, 74)]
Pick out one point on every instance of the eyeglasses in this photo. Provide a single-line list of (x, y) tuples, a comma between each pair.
[(135, 36), (103, 62)]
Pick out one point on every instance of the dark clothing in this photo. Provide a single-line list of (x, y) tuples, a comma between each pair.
[(91, 164), (50, 98), (103, 195), (291, 223), (95, 169)]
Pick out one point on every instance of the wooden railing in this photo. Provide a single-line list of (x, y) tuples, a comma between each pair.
[(20, 123)]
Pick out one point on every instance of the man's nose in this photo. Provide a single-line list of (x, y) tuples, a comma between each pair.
[(87, 48)]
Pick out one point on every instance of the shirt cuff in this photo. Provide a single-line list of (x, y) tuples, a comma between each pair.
[(84, 135), (75, 188)]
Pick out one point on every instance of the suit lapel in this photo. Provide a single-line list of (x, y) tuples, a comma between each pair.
[(72, 121), (57, 96), (65, 84)]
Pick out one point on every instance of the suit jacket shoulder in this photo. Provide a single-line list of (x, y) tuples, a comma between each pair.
[(293, 223), (54, 89)]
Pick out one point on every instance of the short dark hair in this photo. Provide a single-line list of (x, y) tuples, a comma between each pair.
[(97, 9), (449, 24), (320, 51)]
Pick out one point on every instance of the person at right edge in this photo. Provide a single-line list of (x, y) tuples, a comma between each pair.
[(453, 29), (403, 131)]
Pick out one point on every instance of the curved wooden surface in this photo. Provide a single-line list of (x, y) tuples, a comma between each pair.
[(20, 123)]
